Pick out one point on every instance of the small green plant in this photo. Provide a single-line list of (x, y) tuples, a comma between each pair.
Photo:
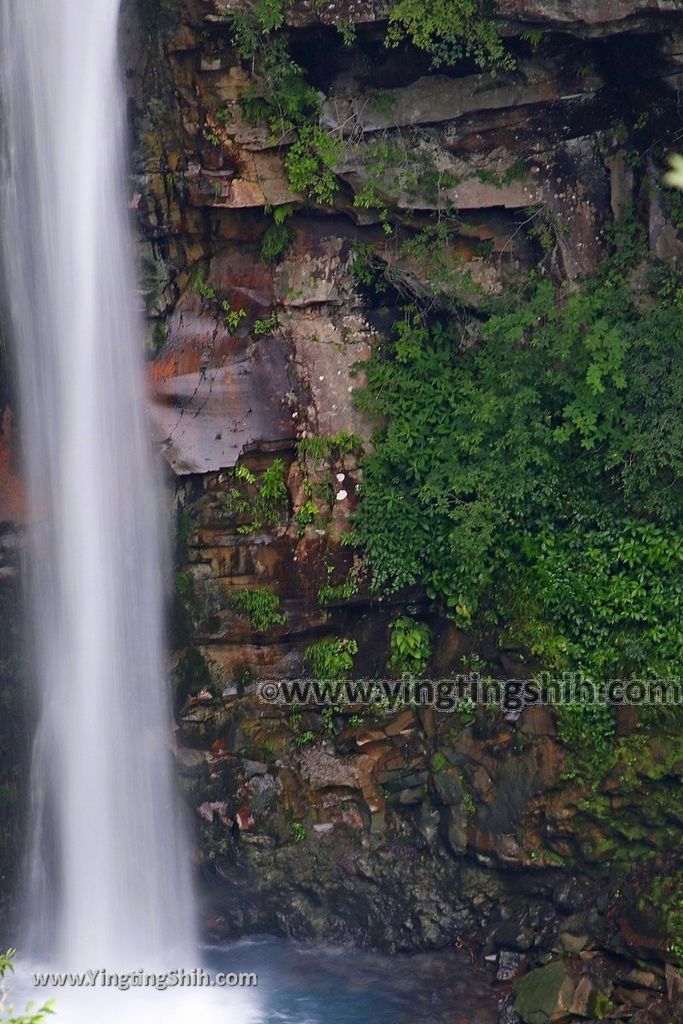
[(273, 497), (212, 137), (243, 472), (330, 659), (356, 721), (304, 739), (158, 337), (328, 714), (466, 710), (199, 285), (262, 328), (410, 647), (299, 831), (268, 507), (306, 515), (278, 237), (665, 895), (259, 606), (440, 762), (468, 802), (532, 36), (382, 101), (603, 1006), (341, 592), (233, 317), (330, 446), (347, 31)]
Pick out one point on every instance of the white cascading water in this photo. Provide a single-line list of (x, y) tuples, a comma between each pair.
[(109, 877)]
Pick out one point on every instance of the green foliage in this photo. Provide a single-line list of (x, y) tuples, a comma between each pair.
[(200, 286), (262, 328), (306, 515), (330, 446), (665, 895), (299, 831), (273, 496), (310, 163), (328, 719), (243, 472), (330, 659), (275, 242), (278, 236), (304, 739), (347, 30), (260, 606), (158, 337), (396, 165), (341, 592), (410, 647), (187, 523), (268, 506), (468, 802), (515, 172), (32, 1014), (532, 36), (433, 249), (233, 317), (587, 730), (448, 30), (282, 98), (185, 587), (546, 457)]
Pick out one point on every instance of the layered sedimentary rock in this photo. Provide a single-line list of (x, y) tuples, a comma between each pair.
[(408, 829)]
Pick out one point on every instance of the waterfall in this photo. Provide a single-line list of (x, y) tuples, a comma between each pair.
[(108, 883)]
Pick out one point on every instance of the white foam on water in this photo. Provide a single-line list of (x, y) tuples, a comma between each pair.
[(136, 1005)]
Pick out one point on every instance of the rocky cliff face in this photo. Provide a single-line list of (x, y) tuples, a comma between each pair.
[(408, 829), (414, 828)]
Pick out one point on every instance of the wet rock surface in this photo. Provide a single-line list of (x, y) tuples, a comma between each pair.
[(412, 829)]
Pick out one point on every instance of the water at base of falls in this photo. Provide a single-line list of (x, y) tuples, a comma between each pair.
[(300, 984)]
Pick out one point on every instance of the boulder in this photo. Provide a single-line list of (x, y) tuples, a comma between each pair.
[(545, 994)]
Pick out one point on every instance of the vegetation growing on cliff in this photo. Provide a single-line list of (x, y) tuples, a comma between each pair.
[(265, 502), (259, 606), (531, 481), (282, 98), (330, 659), (449, 30)]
